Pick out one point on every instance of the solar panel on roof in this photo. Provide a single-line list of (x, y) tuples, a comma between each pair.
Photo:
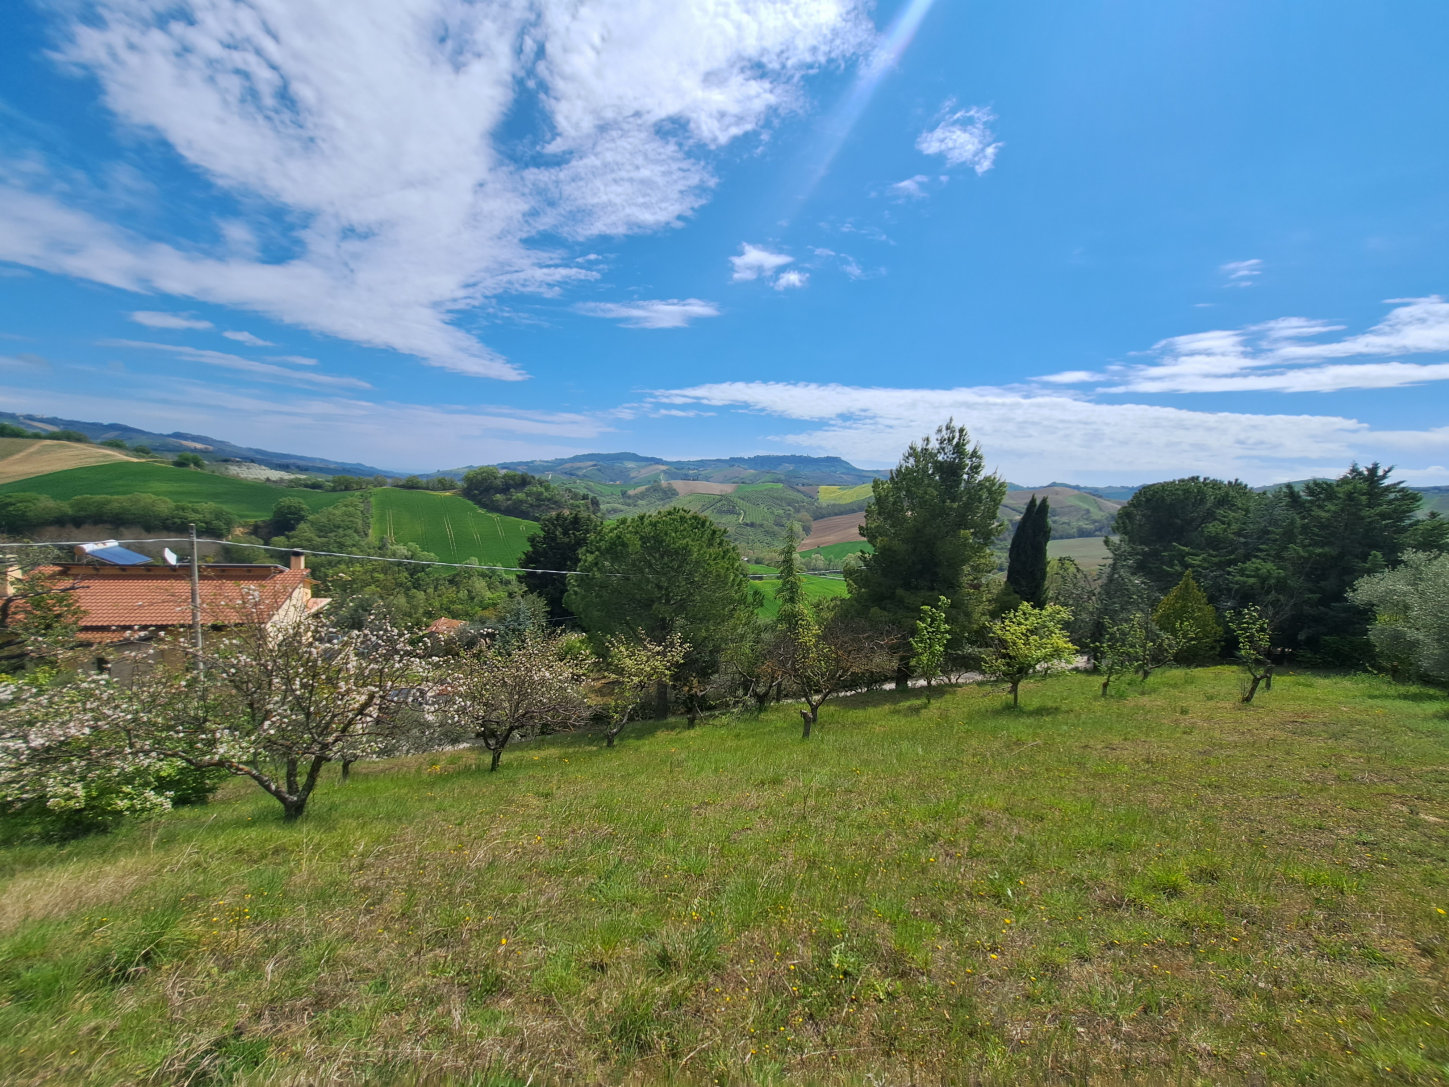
[(119, 556)]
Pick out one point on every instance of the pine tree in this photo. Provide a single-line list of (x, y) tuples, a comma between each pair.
[(1187, 615), (1026, 560), (931, 523)]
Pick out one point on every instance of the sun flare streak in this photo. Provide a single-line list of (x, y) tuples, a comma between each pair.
[(842, 121)]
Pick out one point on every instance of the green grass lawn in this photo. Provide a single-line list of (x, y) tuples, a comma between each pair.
[(835, 553), (450, 527), (1160, 887), (1089, 551), (816, 588), (248, 499)]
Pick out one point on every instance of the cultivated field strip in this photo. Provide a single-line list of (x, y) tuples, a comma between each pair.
[(448, 526)]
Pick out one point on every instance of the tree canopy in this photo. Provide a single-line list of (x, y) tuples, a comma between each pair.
[(931, 526), (668, 573)]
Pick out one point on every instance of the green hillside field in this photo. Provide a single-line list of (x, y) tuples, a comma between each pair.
[(449, 526), (1090, 552), (1163, 886), (248, 499), (835, 553), (840, 496), (816, 588)]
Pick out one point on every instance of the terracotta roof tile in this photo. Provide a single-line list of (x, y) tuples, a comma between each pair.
[(162, 598)]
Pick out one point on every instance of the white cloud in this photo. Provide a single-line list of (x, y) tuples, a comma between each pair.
[(298, 360), (1241, 273), (263, 371), (963, 136), (654, 313), (791, 280), (248, 339), (378, 143), (152, 319), (1091, 442), (1288, 355), (912, 188), (754, 262)]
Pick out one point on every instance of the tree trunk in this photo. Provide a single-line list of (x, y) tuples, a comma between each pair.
[(1016, 694), (1268, 678), (807, 718), (609, 738), (661, 701), (1253, 687), (292, 807), (347, 768), (903, 678), (497, 754)]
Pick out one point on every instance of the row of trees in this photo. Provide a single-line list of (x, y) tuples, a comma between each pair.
[(278, 705), (1294, 552), (22, 513)]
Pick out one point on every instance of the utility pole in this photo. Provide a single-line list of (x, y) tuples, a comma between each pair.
[(195, 600)]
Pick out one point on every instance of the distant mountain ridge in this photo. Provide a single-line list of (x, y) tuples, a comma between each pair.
[(182, 442), (634, 468)]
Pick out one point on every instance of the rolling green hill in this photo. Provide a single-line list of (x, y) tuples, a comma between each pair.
[(450, 527), (249, 500)]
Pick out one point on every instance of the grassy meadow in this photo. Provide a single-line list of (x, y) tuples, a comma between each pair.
[(451, 527), (1090, 552), (248, 499), (814, 586), (1163, 886), (836, 553)]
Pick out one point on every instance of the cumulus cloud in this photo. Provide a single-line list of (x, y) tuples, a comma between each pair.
[(377, 144), (153, 319), (963, 137), (791, 280), (755, 262), (654, 313), (247, 338), (1093, 442), (1290, 354), (1241, 273)]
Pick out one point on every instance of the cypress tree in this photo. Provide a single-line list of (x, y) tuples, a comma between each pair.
[(791, 590), (1026, 560)]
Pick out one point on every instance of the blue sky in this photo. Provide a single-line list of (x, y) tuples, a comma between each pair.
[(1120, 241)]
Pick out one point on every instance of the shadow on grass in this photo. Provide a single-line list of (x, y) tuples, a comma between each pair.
[(1027, 711)]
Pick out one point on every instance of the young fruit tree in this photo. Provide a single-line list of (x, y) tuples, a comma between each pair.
[(534, 686), (273, 704), (1255, 648), (66, 780), (929, 642), (826, 651), (635, 667), (1026, 640)]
